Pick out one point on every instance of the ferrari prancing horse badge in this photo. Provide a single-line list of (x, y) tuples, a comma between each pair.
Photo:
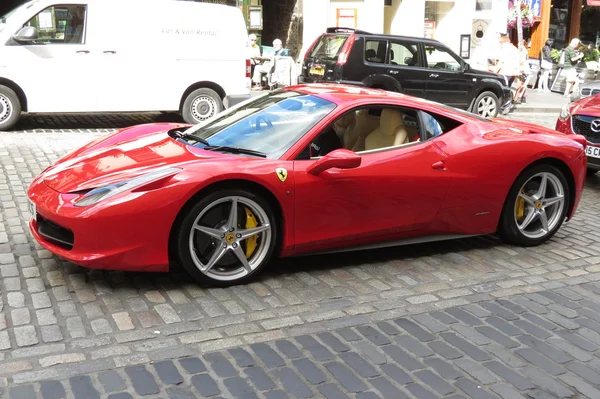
[(281, 173)]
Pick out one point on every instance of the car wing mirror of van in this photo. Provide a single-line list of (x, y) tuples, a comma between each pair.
[(26, 34)]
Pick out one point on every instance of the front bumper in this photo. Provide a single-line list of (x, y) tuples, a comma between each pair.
[(121, 236)]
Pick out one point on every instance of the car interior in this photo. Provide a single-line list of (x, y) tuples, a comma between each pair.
[(374, 128)]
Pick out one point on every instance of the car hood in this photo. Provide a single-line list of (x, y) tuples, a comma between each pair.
[(587, 106), (129, 153)]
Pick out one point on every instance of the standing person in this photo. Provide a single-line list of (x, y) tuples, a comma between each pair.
[(545, 66), (508, 60), (572, 58), (524, 71)]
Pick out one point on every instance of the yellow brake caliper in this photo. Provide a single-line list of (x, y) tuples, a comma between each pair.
[(250, 241), (520, 207)]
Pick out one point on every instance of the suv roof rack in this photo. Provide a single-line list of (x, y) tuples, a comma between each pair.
[(339, 29)]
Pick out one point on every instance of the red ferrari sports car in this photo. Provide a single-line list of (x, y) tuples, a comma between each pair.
[(583, 117), (305, 169)]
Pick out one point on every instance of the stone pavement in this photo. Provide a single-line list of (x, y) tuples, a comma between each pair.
[(63, 323), (537, 345)]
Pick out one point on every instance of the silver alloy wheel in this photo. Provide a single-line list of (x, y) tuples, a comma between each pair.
[(543, 199), (228, 238), (486, 107), (6, 108), (203, 107)]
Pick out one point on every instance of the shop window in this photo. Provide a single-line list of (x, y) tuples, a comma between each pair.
[(60, 24), (559, 23)]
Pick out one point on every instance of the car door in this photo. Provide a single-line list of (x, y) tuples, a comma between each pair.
[(404, 63), (392, 193), (54, 69), (446, 81)]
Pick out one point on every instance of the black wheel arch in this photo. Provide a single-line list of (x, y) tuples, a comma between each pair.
[(200, 85), (384, 82), (243, 184), (18, 91)]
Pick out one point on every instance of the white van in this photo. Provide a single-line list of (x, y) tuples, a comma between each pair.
[(122, 56)]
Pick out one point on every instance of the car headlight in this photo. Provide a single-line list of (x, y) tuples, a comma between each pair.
[(565, 113), (101, 193)]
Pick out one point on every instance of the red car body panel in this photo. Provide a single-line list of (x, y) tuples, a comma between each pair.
[(453, 184), (587, 107)]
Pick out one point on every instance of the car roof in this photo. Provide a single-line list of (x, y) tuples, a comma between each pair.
[(351, 31)]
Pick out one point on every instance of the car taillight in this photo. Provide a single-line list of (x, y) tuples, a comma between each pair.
[(345, 51), (248, 69)]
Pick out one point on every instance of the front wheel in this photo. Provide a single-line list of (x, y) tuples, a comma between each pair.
[(200, 105), (227, 237), (487, 105), (536, 206)]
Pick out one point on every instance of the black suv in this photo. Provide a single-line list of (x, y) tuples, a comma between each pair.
[(415, 66)]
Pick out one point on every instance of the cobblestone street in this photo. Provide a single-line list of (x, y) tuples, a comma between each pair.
[(465, 318)]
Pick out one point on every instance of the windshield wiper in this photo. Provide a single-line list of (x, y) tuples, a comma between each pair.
[(187, 136), (234, 150)]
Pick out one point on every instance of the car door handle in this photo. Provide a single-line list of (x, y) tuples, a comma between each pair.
[(109, 52), (439, 165), (393, 72), (83, 51), (433, 75)]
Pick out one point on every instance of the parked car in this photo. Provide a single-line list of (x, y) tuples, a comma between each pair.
[(415, 66), (586, 89), (583, 117), (109, 56), (300, 170)]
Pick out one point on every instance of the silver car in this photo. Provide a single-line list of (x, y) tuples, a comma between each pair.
[(586, 90)]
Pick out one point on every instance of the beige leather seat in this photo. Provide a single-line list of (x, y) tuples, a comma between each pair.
[(345, 125), (391, 131), (364, 125)]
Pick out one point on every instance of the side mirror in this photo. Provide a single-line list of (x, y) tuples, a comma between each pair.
[(26, 34), (342, 158), (466, 67)]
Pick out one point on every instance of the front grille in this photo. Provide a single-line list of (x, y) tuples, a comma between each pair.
[(582, 125), (54, 233)]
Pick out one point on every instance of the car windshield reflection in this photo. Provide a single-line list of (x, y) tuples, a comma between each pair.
[(270, 124)]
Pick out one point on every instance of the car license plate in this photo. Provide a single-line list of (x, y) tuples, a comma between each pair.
[(317, 71), (32, 210), (593, 152)]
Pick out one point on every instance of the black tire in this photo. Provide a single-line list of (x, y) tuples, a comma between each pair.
[(487, 105), (10, 108), (200, 105), (507, 228), (184, 231)]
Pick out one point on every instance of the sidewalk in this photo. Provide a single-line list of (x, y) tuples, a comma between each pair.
[(541, 103)]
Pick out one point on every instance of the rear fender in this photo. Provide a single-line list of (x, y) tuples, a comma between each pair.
[(384, 82)]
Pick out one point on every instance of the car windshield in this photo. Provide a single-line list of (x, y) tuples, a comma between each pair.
[(328, 46), (270, 124)]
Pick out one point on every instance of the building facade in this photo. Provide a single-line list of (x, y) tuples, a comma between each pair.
[(450, 22)]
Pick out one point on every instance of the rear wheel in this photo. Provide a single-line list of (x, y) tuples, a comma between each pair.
[(10, 108), (536, 206), (487, 105), (227, 237), (200, 105)]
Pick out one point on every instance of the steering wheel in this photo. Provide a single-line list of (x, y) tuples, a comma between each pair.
[(263, 118)]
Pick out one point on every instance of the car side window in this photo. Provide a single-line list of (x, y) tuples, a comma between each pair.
[(441, 58), (375, 51), (435, 125), (366, 129), (60, 24), (403, 53)]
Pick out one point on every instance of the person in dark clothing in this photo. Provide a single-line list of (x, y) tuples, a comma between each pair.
[(545, 66)]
